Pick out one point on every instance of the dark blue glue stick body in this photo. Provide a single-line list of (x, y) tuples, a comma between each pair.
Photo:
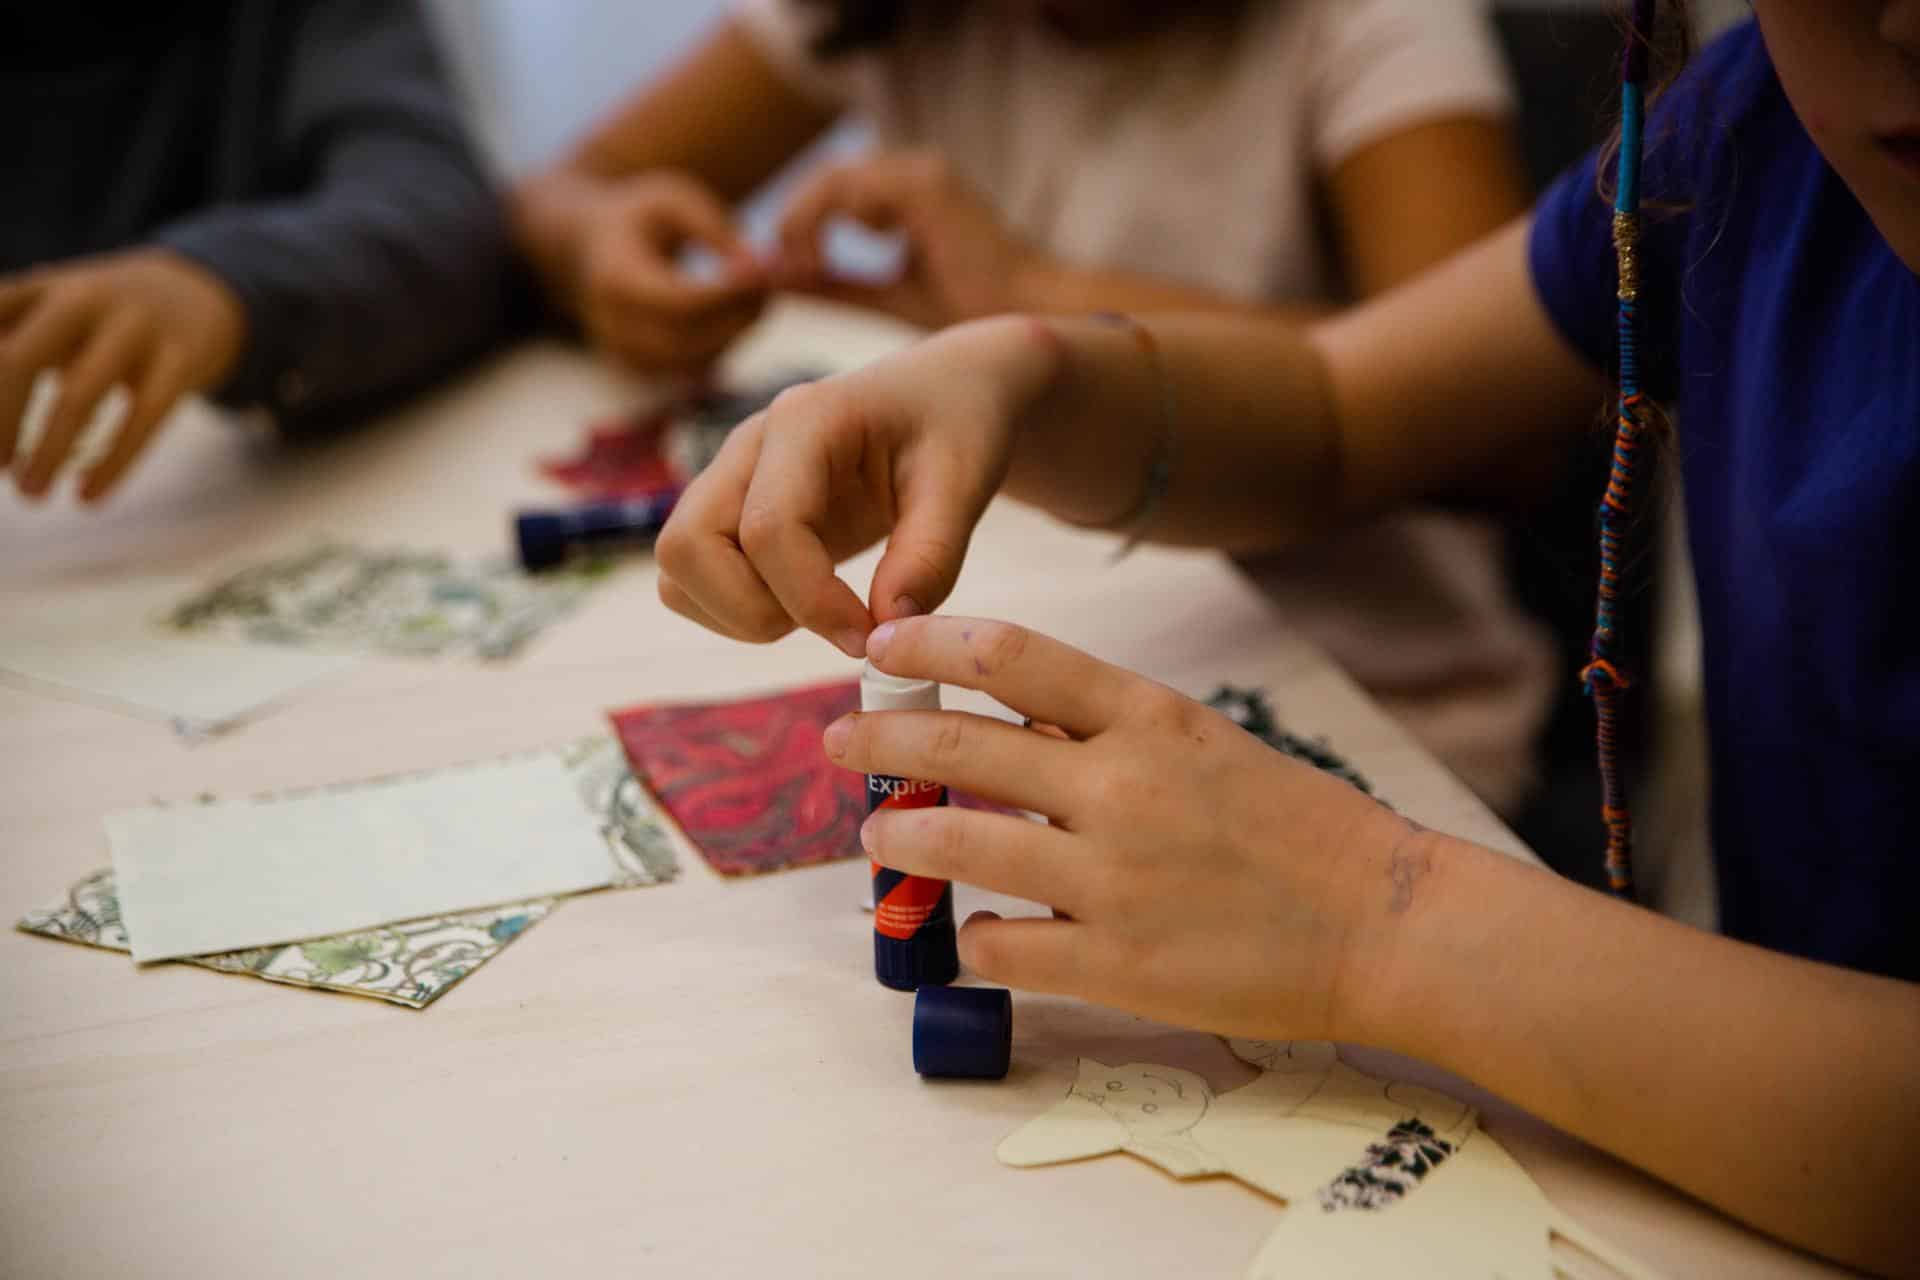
[(546, 537), (913, 935)]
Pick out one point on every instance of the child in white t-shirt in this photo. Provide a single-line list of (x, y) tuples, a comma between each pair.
[(1278, 156)]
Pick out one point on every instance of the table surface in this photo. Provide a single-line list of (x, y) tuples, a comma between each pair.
[(700, 1078)]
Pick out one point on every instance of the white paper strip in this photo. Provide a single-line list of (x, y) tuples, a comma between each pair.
[(218, 877), (104, 644)]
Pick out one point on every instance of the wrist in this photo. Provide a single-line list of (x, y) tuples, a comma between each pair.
[(1411, 923), (1018, 357), (551, 215), (219, 336)]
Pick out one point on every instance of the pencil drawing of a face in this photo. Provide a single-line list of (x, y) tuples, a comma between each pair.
[(1150, 1101)]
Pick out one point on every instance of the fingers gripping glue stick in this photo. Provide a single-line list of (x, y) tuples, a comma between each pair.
[(913, 938)]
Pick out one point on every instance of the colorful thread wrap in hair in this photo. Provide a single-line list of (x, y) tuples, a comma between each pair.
[(1605, 678)]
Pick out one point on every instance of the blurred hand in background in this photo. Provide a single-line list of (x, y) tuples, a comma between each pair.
[(962, 261), (149, 320), (638, 286)]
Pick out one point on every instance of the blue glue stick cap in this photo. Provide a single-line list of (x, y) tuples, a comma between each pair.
[(964, 1032), (546, 538), (542, 536)]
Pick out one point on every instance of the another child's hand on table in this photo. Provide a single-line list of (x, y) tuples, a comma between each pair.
[(962, 261), (630, 290), (147, 319)]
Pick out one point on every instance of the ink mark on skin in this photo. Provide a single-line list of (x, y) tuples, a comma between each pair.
[(979, 667), (1405, 866)]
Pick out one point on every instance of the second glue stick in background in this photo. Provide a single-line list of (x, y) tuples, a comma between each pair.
[(913, 937)]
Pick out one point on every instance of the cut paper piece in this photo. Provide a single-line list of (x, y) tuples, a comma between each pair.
[(195, 879), (410, 964), (412, 603), (414, 962), (660, 452), (1250, 709), (619, 459), (1378, 1178), (108, 646), (748, 783)]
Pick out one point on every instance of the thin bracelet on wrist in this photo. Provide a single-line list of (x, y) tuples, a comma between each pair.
[(1135, 521)]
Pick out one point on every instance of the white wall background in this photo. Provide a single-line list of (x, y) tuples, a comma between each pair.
[(535, 72)]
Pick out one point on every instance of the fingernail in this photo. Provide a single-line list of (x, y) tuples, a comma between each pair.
[(834, 737), (906, 607), (852, 643), (868, 840), (877, 641)]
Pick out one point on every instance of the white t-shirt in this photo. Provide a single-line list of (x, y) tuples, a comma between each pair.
[(1198, 155), (1194, 154)]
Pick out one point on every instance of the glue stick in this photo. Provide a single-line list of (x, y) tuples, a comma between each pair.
[(913, 940)]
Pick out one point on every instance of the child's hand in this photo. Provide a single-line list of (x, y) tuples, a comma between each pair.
[(632, 296), (910, 448), (1204, 879), (147, 319), (962, 261)]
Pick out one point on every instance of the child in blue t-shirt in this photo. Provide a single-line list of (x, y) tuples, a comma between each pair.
[(1202, 879)]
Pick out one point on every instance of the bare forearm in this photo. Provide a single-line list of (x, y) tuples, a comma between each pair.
[(1244, 475), (1455, 388), (1049, 286), (1777, 1089), (723, 113)]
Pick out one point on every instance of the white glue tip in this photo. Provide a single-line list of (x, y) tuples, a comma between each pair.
[(882, 692)]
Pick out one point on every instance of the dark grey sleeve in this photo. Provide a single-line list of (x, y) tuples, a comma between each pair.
[(387, 262)]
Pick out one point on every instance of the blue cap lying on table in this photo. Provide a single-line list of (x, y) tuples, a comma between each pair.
[(546, 538), (964, 1032)]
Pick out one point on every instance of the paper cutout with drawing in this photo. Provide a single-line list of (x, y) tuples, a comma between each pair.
[(1379, 1178), (747, 781)]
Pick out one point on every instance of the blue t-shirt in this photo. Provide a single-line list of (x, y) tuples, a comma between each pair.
[(1788, 334)]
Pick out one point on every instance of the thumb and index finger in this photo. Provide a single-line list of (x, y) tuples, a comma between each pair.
[(675, 215), (802, 507)]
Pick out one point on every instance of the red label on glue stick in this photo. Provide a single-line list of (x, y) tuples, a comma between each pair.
[(906, 903), (913, 934)]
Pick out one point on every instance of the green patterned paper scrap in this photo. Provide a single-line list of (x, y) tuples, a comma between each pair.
[(405, 602), (410, 964), (415, 962)]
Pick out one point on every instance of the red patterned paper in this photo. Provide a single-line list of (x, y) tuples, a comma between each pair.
[(748, 781), (621, 458)]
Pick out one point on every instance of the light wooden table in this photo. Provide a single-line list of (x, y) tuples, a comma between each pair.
[(698, 1079)]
